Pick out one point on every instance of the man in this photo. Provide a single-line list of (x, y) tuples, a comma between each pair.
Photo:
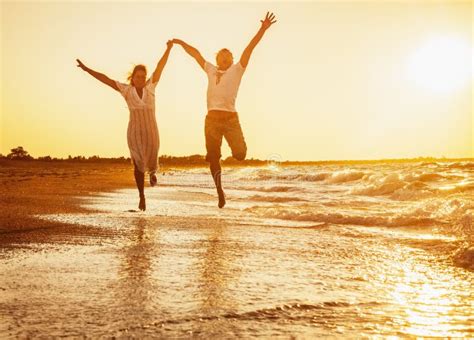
[(222, 119)]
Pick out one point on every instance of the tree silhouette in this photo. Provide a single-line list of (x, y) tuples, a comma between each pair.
[(19, 153)]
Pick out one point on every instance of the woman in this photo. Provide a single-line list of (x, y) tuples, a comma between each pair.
[(142, 134)]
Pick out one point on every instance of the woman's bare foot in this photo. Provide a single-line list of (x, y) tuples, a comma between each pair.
[(142, 204), (221, 198), (153, 179)]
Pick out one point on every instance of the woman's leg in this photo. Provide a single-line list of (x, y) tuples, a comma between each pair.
[(140, 180)]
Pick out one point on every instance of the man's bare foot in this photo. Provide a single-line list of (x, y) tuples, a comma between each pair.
[(142, 204), (221, 198)]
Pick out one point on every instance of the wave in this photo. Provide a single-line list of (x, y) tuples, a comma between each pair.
[(276, 199), (454, 213), (425, 177), (295, 311), (461, 165), (464, 257), (429, 164), (380, 185), (287, 213), (410, 186), (328, 177), (275, 189), (398, 186), (452, 217), (294, 177), (461, 187), (395, 186), (346, 176)]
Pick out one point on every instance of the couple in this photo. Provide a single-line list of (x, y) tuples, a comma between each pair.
[(221, 120)]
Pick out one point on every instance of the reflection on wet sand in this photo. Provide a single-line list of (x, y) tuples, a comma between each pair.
[(216, 276), (217, 272), (136, 289), (177, 279), (427, 306)]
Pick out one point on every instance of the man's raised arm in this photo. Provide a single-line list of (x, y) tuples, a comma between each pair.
[(266, 23), (193, 52)]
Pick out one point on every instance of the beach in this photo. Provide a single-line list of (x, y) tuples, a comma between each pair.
[(29, 188), (298, 252)]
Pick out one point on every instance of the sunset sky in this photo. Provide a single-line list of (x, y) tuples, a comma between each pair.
[(330, 80)]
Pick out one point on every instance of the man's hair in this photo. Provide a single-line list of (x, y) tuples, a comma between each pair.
[(224, 50)]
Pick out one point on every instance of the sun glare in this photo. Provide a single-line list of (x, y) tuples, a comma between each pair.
[(442, 64)]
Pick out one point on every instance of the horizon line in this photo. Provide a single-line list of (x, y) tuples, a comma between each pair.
[(271, 160)]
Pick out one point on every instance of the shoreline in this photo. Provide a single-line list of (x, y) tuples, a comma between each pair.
[(28, 189), (232, 163)]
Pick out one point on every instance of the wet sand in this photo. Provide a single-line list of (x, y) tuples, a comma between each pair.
[(35, 188)]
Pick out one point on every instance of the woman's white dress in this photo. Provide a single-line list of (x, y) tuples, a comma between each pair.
[(142, 133)]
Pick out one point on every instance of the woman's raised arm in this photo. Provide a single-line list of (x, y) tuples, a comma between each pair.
[(161, 64), (97, 75)]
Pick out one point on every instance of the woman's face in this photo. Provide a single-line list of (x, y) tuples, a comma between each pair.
[(139, 79)]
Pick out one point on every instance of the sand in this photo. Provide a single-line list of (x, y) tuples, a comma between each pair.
[(29, 188)]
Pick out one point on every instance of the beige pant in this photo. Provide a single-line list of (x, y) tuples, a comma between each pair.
[(224, 124)]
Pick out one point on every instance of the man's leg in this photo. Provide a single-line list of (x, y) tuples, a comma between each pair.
[(213, 132), (140, 180), (216, 171), (235, 138)]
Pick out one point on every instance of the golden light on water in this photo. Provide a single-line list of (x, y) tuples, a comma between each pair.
[(464, 183), (425, 301), (273, 167)]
